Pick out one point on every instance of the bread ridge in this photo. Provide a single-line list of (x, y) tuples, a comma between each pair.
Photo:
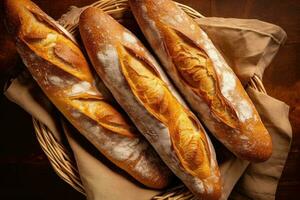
[(204, 78), (60, 69), (130, 73)]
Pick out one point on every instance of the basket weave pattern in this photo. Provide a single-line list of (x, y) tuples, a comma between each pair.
[(61, 160)]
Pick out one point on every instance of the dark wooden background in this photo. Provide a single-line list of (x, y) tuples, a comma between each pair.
[(25, 172)]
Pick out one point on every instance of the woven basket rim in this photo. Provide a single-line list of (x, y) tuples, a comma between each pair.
[(62, 160)]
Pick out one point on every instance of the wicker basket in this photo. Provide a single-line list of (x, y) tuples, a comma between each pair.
[(60, 158)]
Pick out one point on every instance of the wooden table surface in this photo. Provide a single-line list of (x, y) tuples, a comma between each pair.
[(282, 80)]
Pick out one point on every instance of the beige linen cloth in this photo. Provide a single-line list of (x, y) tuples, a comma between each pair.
[(249, 46)]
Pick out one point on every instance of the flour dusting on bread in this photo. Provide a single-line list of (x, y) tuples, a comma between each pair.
[(178, 18), (128, 37), (81, 87), (55, 80), (228, 84), (244, 110), (108, 56)]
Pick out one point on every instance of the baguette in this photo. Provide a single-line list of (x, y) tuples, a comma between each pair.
[(141, 88), (203, 77), (61, 70)]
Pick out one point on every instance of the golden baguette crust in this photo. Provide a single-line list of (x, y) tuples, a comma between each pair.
[(136, 81), (60, 69), (202, 75)]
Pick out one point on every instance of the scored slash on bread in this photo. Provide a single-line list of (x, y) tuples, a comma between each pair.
[(59, 67), (201, 74), (142, 89)]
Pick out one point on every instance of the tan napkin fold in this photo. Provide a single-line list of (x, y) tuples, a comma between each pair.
[(26, 93), (260, 180), (249, 48)]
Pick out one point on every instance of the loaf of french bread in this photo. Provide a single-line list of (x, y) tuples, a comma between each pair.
[(201, 74), (61, 70), (141, 88)]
